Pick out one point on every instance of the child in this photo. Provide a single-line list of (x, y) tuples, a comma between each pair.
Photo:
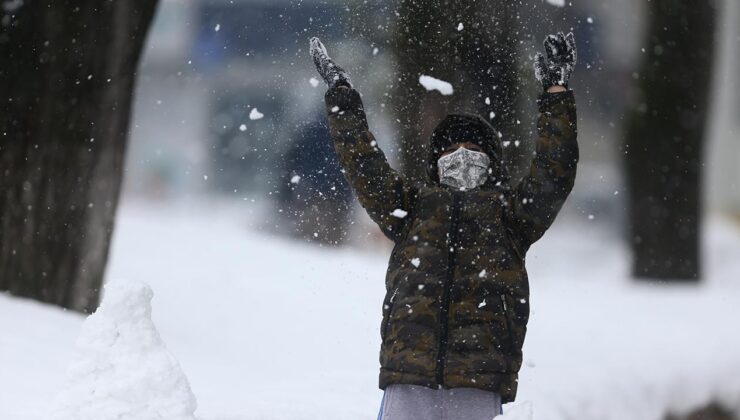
[(457, 302)]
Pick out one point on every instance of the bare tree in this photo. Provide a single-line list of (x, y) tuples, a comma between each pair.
[(469, 44), (664, 139), (67, 77)]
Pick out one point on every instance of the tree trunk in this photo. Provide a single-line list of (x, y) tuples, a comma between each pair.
[(67, 77), (664, 139), (479, 60)]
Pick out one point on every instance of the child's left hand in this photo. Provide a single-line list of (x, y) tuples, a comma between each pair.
[(556, 68)]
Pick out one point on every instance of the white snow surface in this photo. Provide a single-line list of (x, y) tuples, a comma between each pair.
[(265, 328), (431, 83), (123, 370)]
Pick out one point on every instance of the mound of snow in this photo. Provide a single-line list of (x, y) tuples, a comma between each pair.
[(123, 370)]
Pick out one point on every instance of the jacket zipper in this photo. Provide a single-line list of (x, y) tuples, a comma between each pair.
[(445, 307), (508, 323), (390, 312)]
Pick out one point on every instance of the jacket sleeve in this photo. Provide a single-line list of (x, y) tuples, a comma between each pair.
[(538, 197), (383, 192)]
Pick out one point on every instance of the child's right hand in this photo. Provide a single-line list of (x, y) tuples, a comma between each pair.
[(332, 74)]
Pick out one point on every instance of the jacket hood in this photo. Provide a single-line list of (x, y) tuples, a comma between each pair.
[(456, 128)]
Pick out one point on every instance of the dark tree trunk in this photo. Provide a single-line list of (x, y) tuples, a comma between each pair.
[(67, 76), (664, 139), (479, 61)]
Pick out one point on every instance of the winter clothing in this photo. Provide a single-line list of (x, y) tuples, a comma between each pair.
[(332, 74), (457, 301), (464, 169), (561, 59), (455, 128), (407, 402)]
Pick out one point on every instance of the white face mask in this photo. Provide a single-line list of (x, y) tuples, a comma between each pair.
[(463, 168)]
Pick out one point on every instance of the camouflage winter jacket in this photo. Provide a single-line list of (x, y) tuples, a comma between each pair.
[(457, 302)]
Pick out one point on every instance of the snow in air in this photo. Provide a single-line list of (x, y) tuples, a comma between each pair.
[(313, 81), (218, 27), (243, 127), (460, 26), (296, 179), (415, 261), (255, 115), (430, 83), (558, 3), (400, 213)]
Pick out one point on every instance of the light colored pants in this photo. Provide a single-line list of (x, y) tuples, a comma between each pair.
[(416, 402)]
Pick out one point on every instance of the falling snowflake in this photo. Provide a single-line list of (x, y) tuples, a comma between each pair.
[(400, 213), (558, 3), (255, 115), (415, 261), (431, 83)]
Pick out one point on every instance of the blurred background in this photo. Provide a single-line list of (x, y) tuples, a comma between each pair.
[(207, 64), (184, 143)]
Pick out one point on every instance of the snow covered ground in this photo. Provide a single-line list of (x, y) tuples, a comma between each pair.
[(268, 329)]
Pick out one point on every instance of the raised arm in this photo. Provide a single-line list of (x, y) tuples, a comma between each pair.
[(538, 197), (384, 193)]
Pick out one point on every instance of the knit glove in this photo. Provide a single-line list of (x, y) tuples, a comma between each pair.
[(332, 74), (555, 69)]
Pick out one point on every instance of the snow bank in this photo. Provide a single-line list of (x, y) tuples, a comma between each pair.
[(123, 370), (270, 329), (518, 411), (430, 83)]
